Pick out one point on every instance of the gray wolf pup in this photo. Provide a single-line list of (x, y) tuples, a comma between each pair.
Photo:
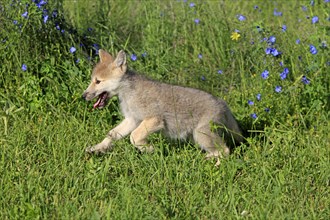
[(149, 106)]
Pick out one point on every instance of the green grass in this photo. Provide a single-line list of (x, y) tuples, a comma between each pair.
[(281, 172)]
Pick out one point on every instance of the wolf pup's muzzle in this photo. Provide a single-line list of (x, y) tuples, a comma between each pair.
[(101, 101)]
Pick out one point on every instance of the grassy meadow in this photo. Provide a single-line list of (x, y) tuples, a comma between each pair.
[(269, 60)]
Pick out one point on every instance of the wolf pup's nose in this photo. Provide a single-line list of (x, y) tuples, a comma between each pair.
[(84, 95)]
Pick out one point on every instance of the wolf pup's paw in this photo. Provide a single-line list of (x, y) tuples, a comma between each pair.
[(146, 149), (217, 164), (97, 149)]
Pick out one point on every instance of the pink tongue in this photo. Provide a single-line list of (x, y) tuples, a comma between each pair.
[(97, 102)]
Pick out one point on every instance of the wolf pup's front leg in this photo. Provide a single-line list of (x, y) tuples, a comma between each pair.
[(101, 147), (120, 131)]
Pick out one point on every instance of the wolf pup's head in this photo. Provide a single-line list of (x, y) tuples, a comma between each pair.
[(106, 78)]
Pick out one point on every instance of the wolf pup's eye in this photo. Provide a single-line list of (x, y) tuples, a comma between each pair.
[(97, 81)]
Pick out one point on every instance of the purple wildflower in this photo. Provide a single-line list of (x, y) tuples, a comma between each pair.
[(272, 39), (315, 20), (277, 13), (96, 47), (133, 57), (55, 13), (284, 74), (254, 115), (312, 49), (323, 44), (268, 50), (72, 49), (250, 102), (25, 14), (45, 18), (305, 80), (275, 52), (272, 51), (241, 17), (41, 3), (278, 89), (258, 96), (265, 74), (24, 67)]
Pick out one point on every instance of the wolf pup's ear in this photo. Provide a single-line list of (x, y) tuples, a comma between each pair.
[(105, 57), (120, 61)]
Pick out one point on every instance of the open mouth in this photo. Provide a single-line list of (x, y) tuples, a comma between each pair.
[(101, 101)]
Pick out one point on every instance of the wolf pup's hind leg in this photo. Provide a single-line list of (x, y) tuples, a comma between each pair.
[(211, 142)]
